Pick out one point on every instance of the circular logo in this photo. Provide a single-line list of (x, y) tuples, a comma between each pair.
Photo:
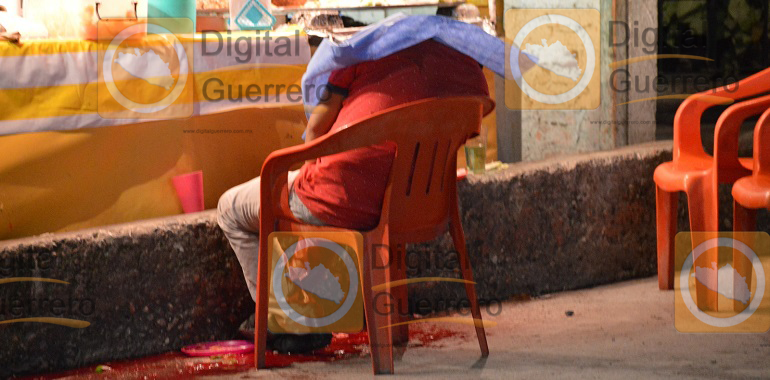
[(588, 45), (109, 79), (350, 296), (684, 283)]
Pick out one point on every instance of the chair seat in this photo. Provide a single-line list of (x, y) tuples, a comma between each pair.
[(747, 162), (416, 235), (672, 176), (753, 192)]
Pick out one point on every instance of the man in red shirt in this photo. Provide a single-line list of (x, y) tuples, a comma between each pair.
[(347, 189)]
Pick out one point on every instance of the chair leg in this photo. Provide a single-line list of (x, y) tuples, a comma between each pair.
[(703, 204), (378, 305), (458, 236), (400, 294), (666, 205), (260, 340), (744, 220), (260, 320)]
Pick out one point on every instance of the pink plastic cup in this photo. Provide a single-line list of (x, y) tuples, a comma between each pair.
[(189, 189)]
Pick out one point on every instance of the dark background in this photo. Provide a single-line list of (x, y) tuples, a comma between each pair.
[(734, 33)]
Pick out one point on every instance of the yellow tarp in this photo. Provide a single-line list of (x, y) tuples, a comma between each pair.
[(69, 180)]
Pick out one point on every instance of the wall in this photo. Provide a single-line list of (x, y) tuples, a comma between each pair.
[(556, 132)]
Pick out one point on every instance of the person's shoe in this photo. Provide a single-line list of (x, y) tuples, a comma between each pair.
[(287, 343), (247, 327), (299, 344)]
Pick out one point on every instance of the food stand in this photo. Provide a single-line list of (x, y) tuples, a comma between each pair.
[(65, 167)]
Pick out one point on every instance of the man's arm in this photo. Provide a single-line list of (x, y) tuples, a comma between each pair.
[(323, 117), (525, 64)]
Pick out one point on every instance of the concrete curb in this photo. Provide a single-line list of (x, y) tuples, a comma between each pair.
[(145, 288)]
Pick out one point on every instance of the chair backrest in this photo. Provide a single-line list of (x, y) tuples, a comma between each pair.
[(687, 122), (762, 146), (423, 179)]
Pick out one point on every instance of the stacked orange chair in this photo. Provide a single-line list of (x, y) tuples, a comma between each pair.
[(420, 203), (697, 174), (752, 193)]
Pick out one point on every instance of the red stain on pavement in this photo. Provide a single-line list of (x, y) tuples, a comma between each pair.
[(175, 365)]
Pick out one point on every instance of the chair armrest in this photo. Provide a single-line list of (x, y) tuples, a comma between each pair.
[(762, 145), (752, 86), (728, 129), (687, 123), (276, 166), (687, 137)]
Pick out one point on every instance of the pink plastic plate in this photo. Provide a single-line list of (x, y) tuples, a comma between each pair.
[(219, 348)]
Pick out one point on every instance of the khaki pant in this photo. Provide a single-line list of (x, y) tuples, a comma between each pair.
[(238, 216)]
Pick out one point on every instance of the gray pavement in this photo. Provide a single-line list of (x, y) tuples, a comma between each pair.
[(623, 331)]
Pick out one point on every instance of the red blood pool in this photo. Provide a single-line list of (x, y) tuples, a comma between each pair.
[(176, 365)]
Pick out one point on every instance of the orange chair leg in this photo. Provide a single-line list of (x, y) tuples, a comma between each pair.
[(744, 220), (666, 213), (400, 294), (703, 207), (260, 320), (378, 305), (458, 236)]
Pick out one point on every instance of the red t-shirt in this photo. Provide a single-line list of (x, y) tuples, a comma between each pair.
[(346, 189)]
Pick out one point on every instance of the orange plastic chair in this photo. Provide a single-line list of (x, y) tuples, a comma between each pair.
[(420, 202), (752, 193), (697, 174)]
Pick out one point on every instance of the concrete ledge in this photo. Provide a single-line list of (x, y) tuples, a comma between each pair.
[(157, 285), (146, 288), (560, 224)]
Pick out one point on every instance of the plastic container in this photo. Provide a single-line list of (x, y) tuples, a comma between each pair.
[(476, 153), (171, 9), (209, 23), (189, 189), (12, 6), (289, 3), (77, 19)]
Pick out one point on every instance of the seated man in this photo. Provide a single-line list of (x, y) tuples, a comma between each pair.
[(347, 189)]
